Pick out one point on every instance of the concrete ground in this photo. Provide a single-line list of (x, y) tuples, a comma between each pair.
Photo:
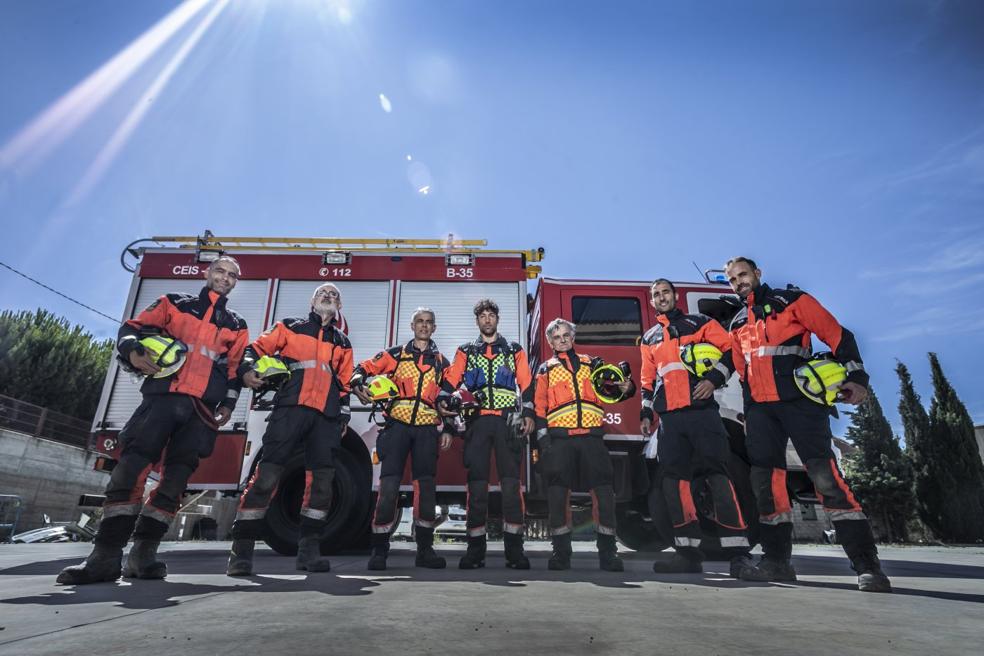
[(937, 608)]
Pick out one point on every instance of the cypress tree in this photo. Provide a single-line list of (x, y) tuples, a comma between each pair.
[(928, 476), (952, 431), (879, 472)]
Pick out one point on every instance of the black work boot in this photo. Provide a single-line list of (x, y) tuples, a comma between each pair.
[(426, 556), (515, 558), (103, 564), (142, 562), (241, 558), (769, 570), (309, 556), (740, 563), (475, 556), (871, 578), (561, 558), (680, 563), (380, 550), (608, 559)]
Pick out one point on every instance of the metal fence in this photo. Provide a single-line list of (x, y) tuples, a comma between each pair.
[(41, 422)]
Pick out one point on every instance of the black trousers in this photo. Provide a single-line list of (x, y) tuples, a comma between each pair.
[(768, 428), (579, 458), (487, 434), (685, 435), (290, 429), (168, 426), (395, 443)]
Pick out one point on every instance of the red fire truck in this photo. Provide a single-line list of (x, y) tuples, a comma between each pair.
[(382, 282)]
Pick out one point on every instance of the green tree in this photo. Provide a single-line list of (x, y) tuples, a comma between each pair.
[(879, 472), (952, 431), (46, 361)]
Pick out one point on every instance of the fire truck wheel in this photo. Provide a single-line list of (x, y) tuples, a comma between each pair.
[(349, 509), (636, 532)]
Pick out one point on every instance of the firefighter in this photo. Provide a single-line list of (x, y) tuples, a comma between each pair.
[(771, 339), (179, 416), (569, 429), (492, 369), (685, 357), (311, 411), (413, 427)]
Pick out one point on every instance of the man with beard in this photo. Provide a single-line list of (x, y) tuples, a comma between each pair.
[(689, 425), (770, 342), (492, 368), (179, 417), (311, 410)]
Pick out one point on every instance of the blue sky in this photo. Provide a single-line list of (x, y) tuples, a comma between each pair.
[(841, 144)]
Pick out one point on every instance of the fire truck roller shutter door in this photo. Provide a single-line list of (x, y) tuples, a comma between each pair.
[(452, 302)]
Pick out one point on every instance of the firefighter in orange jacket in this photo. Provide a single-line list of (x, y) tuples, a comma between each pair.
[(413, 428), (689, 425), (179, 417), (569, 423), (770, 339), (311, 411), (493, 369)]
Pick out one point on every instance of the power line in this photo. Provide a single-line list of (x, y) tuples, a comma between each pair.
[(65, 296)]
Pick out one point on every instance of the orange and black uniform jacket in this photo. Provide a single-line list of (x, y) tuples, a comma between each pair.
[(215, 336), (484, 367), (565, 400), (773, 338), (667, 384), (417, 374), (320, 362)]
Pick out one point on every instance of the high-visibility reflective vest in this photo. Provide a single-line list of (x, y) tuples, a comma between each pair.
[(565, 397), (417, 374)]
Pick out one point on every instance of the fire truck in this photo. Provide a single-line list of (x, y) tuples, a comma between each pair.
[(382, 282)]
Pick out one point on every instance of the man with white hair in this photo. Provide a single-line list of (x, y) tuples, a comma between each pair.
[(311, 410), (570, 430)]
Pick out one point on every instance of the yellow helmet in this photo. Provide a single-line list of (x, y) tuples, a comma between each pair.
[(820, 379), (699, 358), (605, 380), (272, 371), (169, 354), (382, 388)]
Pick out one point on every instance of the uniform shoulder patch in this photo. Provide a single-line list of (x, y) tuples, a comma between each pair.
[(786, 296), (654, 335)]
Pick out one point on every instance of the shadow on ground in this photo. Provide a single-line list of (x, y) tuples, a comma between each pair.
[(349, 577)]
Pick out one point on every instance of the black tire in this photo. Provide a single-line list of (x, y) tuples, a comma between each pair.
[(638, 533), (346, 519)]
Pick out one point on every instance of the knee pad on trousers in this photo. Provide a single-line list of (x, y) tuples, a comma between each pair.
[(266, 478), (389, 490), (512, 500), (558, 505), (831, 486), (478, 502), (727, 511), (320, 489), (125, 477), (426, 498), (771, 497), (172, 487), (604, 511)]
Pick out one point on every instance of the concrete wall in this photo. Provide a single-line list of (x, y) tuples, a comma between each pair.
[(48, 476)]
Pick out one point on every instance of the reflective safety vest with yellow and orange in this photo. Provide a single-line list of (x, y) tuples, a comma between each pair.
[(417, 374), (565, 400)]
